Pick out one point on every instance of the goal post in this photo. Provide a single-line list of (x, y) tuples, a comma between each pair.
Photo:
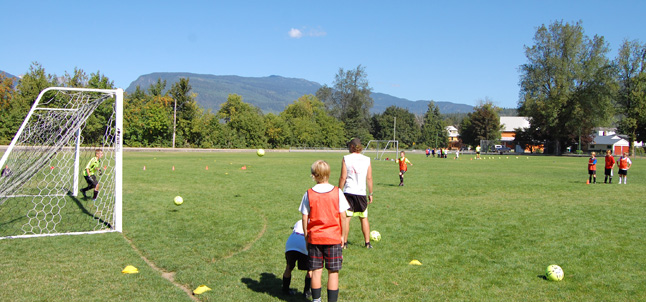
[(377, 149), (43, 166)]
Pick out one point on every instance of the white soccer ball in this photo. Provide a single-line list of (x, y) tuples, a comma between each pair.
[(178, 200), (554, 273), (375, 236), (260, 152)]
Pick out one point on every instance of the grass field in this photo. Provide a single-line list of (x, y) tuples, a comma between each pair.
[(483, 230)]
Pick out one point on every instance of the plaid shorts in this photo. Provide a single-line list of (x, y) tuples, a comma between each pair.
[(332, 254)]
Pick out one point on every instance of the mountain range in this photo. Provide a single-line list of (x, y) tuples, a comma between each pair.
[(273, 93)]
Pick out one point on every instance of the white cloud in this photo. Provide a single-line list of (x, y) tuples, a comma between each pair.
[(295, 33), (298, 33)]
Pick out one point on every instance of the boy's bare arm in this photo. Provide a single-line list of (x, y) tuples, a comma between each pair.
[(344, 175)]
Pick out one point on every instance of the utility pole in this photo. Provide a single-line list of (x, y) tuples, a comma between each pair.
[(174, 122)]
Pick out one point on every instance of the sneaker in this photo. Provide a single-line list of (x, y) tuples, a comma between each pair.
[(289, 292), (84, 196), (307, 294), (368, 245), (345, 245)]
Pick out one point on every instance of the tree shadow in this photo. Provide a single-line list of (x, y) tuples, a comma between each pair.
[(271, 285)]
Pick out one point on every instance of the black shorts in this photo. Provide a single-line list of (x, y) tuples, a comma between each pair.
[(295, 256), (608, 172), (91, 181), (358, 203), (623, 172), (592, 172), (332, 254)]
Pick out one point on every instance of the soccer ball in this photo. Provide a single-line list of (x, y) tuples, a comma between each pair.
[(554, 273), (260, 152), (178, 200), (375, 236)]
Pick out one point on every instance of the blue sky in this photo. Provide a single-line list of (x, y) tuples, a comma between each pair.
[(457, 51)]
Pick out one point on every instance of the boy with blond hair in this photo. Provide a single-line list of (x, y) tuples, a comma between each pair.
[(93, 166), (322, 207)]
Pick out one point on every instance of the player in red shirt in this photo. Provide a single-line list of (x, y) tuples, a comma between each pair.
[(610, 163)]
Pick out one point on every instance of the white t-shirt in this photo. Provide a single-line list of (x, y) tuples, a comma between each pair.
[(323, 188), (296, 241), (356, 166)]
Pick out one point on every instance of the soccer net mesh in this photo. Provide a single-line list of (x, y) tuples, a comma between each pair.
[(42, 168)]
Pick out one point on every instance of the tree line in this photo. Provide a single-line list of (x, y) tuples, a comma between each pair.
[(158, 115)]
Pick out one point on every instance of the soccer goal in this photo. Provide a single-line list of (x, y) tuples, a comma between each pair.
[(381, 149), (43, 166)]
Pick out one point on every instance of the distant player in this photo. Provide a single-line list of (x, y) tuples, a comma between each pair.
[(624, 165), (6, 172), (403, 167), (478, 152), (592, 168), (428, 152), (296, 251), (610, 163), (457, 154), (322, 207), (93, 167)]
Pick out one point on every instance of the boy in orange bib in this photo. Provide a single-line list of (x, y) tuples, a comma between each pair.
[(322, 207)]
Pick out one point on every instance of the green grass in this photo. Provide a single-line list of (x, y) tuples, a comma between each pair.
[(483, 231)]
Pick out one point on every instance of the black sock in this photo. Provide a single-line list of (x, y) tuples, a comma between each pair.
[(308, 284), (401, 178), (96, 193), (332, 295), (286, 282), (610, 180), (316, 293)]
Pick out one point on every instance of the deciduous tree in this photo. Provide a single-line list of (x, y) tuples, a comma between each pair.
[(566, 85)]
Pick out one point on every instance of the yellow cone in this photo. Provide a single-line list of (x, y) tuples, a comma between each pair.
[(130, 270), (415, 262), (201, 289)]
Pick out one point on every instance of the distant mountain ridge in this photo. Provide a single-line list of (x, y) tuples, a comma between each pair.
[(272, 93), (6, 74)]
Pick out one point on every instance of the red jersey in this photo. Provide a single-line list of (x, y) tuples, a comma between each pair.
[(402, 163), (592, 164), (324, 227), (610, 161), (623, 163)]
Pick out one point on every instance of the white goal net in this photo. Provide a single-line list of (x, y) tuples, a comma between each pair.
[(382, 149), (42, 169)]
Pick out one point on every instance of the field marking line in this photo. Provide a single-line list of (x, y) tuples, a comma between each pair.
[(170, 275), (250, 244), (165, 274)]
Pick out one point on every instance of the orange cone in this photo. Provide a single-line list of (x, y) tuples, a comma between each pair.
[(587, 182), (244, 168), (207, 167), (144, 168), (173, 168)]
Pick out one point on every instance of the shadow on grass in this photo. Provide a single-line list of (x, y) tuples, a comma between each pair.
[(388, 185), (86, 212), (271, 285)]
